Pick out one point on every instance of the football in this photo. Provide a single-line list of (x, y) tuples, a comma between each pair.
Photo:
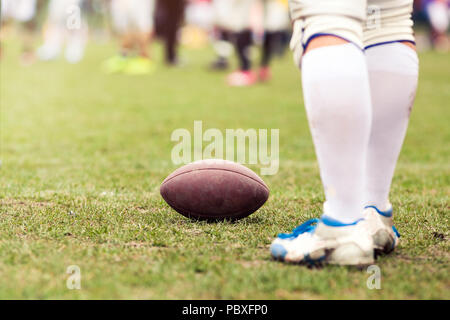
[(214, 190)]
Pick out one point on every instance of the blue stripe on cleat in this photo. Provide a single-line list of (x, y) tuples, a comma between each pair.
[(386, 214)]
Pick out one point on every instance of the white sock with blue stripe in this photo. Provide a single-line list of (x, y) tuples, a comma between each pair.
[(393, 73), (337, 100)]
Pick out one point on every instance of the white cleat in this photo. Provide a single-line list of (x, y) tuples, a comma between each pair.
[(325, 241), (381, 228)]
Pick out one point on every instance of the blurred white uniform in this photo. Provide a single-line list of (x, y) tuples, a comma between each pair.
[(439, 15), (20, 10), (363, 22), (233, 15), (65, 25), (200, 14), (276, 15), (133, 15)]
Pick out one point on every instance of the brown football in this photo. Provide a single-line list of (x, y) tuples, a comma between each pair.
[(214, 190)]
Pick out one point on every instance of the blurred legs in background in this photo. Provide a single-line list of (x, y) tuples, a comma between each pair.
[(23, 12), (438, 13), (243, 41), (169, 18), (64, 25), (233, 16), (234, 19), (276, 22), (224, 43), (223, 48), (133, 21)]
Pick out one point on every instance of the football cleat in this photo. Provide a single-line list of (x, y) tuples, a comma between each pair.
[(114, 64), (74, 52), (381, 228), (241, 78), (325, 240), (138, 66), (264, 74), (27, 59), (219, 64), (48, 52)]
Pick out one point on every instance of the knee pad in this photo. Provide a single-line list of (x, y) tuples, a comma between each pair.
[(387, 21), (341, 18)]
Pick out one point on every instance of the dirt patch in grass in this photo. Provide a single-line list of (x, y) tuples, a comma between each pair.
[(25, 203), (252, 264)]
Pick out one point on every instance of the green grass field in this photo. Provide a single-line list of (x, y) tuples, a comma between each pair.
[(76, 140)]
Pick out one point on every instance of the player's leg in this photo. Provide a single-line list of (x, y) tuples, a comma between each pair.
[(53, 33), (121, 20), (337, 100), (119, 12), (141, 19), (170, 14), (6, 14), (223, 49), (239, 23), (439, 18), (143, 16), (29, 29), (243, 41), (76, 38), (223, 46), (276, 21), (239, 20), (393, 73), (24, 12)]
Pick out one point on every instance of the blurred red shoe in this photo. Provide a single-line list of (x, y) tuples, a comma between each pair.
[(27, 59), (264, 74), (241, 78)]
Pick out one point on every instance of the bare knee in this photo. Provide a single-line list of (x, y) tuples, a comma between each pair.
[(323, 41)]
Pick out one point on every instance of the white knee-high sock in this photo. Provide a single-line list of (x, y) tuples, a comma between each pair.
[(393, 72), (337, 100)]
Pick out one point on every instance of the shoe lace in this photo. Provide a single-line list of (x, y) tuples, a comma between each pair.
[(308, 226)]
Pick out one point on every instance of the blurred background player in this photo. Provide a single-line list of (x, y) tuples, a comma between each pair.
[(232, 19), (236, 23), (198, 24), (276, 23), (22, 12), (169, 19), (133, 22), (438, 14), (222, 42), (64, 25)]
